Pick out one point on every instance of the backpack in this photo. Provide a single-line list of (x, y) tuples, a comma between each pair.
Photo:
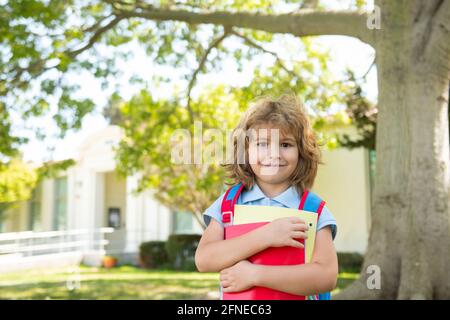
[(309, 202)]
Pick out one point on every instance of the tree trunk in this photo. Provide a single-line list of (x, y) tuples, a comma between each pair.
[(410, 231)]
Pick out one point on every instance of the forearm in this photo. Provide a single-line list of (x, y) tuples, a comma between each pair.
[(305, 279), (218, 255)]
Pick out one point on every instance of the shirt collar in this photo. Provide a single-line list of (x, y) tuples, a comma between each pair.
[(253, 194), (288, 198)]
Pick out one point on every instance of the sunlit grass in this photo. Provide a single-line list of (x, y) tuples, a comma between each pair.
[(124, 282), (98, 283)]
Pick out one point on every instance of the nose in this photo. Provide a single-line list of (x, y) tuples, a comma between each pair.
[(272, 152)]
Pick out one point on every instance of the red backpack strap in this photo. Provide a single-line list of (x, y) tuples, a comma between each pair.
[(228, 202), (311, 202)]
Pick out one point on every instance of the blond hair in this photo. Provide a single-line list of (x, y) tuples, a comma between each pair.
[(288, 113)]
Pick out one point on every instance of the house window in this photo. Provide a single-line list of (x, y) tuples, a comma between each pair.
[(60, 204), (34, 209), (114, 218), (182, 222)]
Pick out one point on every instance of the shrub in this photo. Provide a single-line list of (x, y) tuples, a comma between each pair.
[(152, 254), (350, 261), (181, 251)]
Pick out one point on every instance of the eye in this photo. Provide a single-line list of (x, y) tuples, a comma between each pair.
[(286, 145)]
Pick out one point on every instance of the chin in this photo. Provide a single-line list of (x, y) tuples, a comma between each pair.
[(272, 180), (274, 175)]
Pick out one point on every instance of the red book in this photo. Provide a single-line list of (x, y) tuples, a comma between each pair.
[(270, 256)]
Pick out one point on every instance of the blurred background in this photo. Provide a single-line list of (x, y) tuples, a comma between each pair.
[(91, 91)]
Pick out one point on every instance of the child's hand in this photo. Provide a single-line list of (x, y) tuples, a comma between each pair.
[(285, 232), (239, 277)]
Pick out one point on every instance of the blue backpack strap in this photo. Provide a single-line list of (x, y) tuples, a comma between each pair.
[(228, 202), (312, 202)]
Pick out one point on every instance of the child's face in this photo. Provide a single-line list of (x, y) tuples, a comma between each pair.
[(273, 155)]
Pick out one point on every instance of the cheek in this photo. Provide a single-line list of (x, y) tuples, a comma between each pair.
[(252, 155), (290, 155), (254, 160)]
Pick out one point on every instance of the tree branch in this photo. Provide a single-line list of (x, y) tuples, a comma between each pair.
[(95, 26), (95, 37), (214, 44), (259, 47), (38, 67), (302, 23), (370, 68), (198, 217)]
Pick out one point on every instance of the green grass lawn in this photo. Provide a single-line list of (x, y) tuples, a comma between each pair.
[(124, 282)]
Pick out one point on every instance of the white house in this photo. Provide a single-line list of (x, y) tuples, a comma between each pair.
[(91, 195)]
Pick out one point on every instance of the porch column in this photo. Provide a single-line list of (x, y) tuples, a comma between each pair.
[(133, 224), (91, 208)]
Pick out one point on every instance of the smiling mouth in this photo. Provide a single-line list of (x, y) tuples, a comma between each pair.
[(273, 165)]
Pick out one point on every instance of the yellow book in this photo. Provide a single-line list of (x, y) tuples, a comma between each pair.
[(252, 214)]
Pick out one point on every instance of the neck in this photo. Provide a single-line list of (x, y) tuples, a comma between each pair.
[(272, 190)]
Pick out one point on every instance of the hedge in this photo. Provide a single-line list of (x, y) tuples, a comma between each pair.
[(350, 261), (178, 252), (152, 254), (181, 249)]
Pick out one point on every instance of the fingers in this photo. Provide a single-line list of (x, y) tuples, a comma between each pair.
[(296, 220), (228, 289), (224, 272), (300, 227), (296, 244), (299, 235), (225, 281)]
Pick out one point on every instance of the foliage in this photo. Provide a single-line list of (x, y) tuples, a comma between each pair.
[(181, 250), (350, 261), (45, 43), (363, 115), (53, 169), (150, 124), (8, 142), (153, 254), (17, 181), (146, 149)]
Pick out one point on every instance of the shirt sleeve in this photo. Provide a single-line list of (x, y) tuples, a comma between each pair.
[(327, 219), (214, 211)]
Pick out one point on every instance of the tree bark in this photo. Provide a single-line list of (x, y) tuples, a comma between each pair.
[(305, 22), (410, 231)]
